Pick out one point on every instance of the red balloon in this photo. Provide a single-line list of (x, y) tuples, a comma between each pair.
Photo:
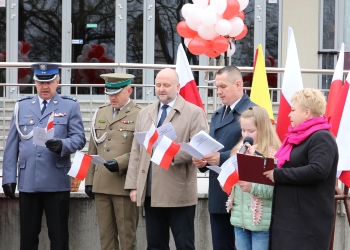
[(99, 51), (220, 44), (212, 53), (241, 15), (199, 46), (232, 9), (91, 54), (184, 31), (25, 48), (243, 33)]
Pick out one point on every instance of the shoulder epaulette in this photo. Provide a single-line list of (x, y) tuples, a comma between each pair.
[(104, 105), (69, 98), (138, 106), (24, 98)]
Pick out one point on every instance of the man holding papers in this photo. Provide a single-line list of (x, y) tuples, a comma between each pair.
[(43, 183), (112, 134), (224, 128), (169, 196)]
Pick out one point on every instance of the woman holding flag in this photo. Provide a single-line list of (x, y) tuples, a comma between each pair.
[(251, 202)]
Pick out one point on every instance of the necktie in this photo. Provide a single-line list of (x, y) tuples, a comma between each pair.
[(163, 115), (228, 109), (115, 112), (43, 109)]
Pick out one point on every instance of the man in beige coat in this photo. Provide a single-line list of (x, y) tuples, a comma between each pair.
[(112, 134), (169, 196)]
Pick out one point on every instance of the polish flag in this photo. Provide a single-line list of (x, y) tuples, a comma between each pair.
[(50, 122), (228, 176), (336, 85), (80, 165), (340, 121), (151, 137), (292, 83), (165, 152), (188, 86)]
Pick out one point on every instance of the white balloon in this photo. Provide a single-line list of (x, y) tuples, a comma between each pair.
[(237, 26), (94, 60), (184, 10), (209, 16), (223, 27), (195, 13), (201, 3), (80, 59), (243, 4), (20, 46), (86, 49), (231, 49), (187, 41), (219, 6), (192, 24), (207, 32)]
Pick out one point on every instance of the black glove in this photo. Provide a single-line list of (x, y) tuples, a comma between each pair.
[(54, 145), (9, 189), (88, 191), (112, 165)]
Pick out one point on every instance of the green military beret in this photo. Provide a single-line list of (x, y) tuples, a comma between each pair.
[(115, 82)]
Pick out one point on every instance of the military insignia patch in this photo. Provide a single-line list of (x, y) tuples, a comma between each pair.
[(101, 121)]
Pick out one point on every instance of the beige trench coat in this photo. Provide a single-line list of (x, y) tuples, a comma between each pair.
[(177, 186)]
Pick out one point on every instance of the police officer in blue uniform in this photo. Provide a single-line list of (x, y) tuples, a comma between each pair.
[(43, 183)]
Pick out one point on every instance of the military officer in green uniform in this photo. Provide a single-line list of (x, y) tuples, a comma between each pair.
[(111, 137)]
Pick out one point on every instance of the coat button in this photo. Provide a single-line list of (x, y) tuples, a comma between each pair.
[(109, 139), (110, 128), (39, 155), (107, 150), (143, 171)]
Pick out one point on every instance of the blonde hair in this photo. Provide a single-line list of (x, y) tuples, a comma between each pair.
[(267, 136), (311, 99)]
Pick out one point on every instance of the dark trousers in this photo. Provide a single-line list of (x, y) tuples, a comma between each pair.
[(56, 207), (222, 232), (179, 219)]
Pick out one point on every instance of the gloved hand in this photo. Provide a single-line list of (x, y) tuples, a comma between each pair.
[(112, 165), (9, 189), (54, 145), (88, 191)]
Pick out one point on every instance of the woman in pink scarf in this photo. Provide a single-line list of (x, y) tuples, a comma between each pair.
[(303, 202)]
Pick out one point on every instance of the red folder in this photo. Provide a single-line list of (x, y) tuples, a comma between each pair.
[(251, 168)]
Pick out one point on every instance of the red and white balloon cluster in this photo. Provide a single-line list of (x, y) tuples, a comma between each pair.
[(23, 51), (95, 53), (210, 26)]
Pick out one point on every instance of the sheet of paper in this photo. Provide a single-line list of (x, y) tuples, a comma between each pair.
[(201, 144), (205, 144), (216, 169), (98, 160), (140, 137), (40, 136), (190, 150)]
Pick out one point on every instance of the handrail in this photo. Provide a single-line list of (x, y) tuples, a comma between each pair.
[(160, 66)]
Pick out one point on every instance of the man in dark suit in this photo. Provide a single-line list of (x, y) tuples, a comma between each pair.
[(43, 183), (224, 128)]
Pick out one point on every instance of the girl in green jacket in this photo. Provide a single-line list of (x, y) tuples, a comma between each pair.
[(251, 202)]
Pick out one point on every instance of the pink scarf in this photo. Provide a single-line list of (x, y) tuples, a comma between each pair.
[(298, 134)]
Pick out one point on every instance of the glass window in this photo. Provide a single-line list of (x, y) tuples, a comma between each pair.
[(39, 35), (2, 47), (134, 53), (328, 24), (347, 23), (93, 41)]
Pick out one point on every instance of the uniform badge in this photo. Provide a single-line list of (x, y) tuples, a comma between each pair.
[(33, 102), (126, 122), (59, 114), (101, 121), (25, 128), (125, 134), (55, 101)]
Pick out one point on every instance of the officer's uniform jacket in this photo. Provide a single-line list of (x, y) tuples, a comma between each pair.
[(39, 169), (117, 145)]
